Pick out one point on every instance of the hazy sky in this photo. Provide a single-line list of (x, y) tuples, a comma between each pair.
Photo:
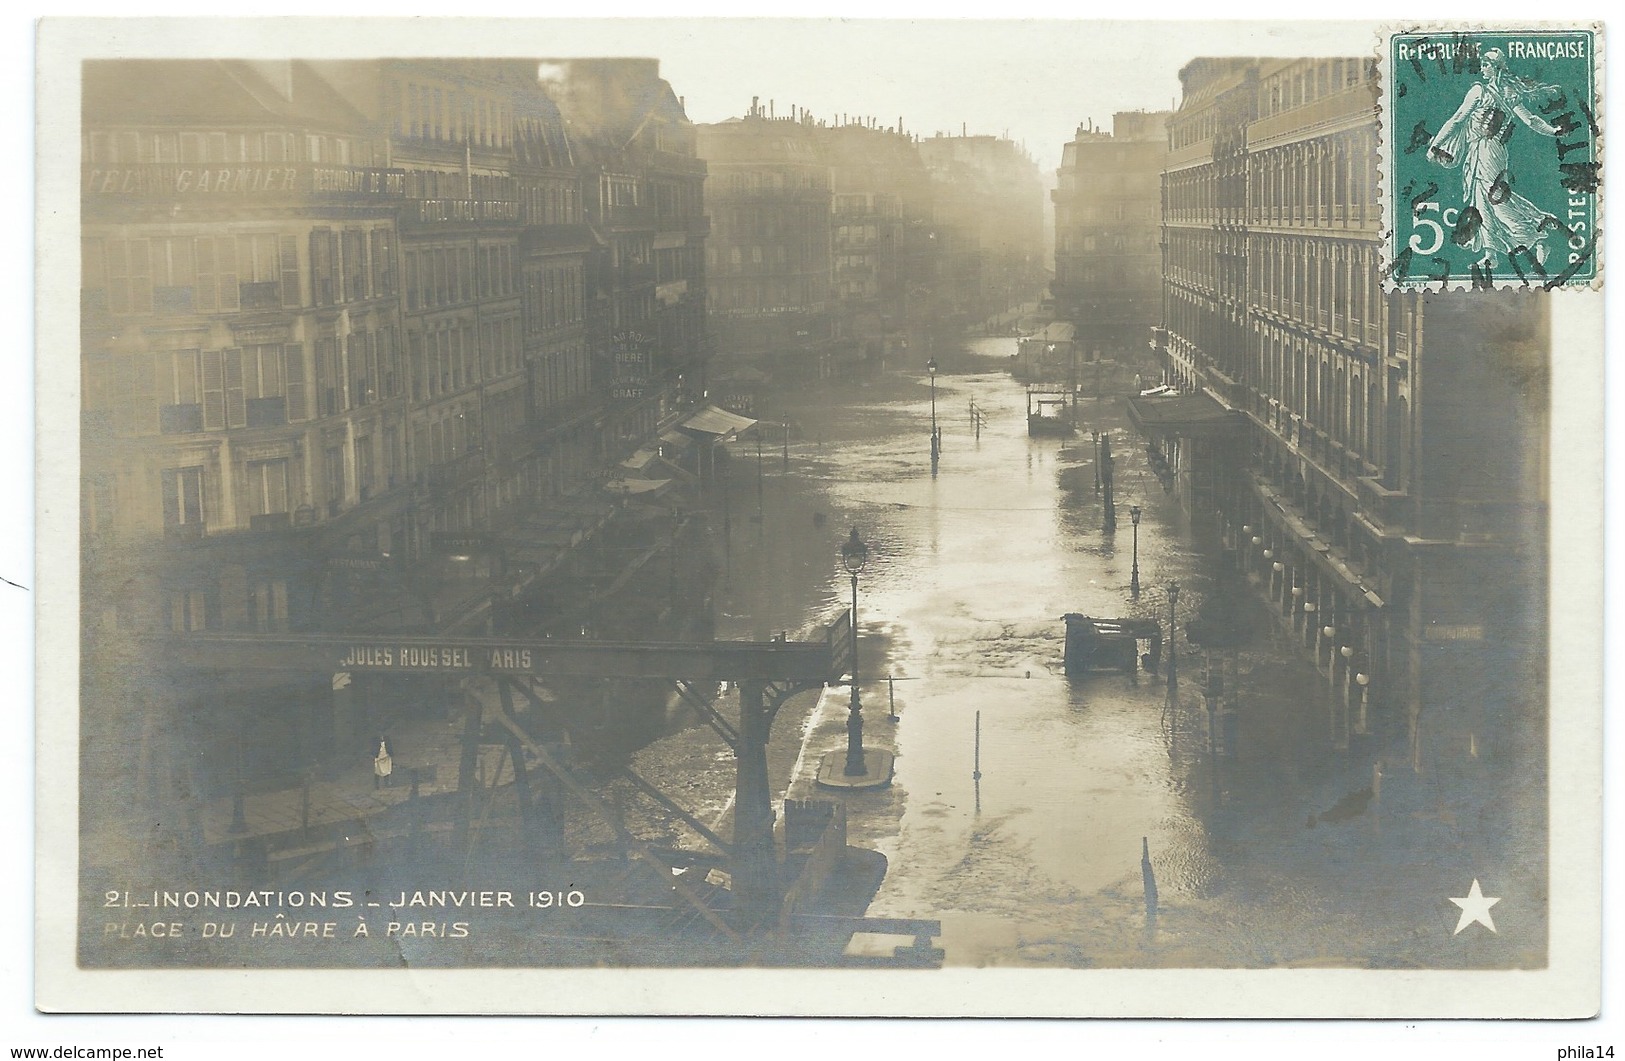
[(1033, 79)]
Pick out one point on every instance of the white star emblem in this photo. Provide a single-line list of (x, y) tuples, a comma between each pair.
[(1475, 906)]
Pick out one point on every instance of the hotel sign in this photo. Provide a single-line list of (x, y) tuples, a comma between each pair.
[(246, 180)]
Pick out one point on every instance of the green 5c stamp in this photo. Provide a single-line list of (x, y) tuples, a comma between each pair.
[(1493, 166)]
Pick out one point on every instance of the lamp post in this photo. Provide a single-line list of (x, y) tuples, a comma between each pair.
[(1096, 435), (1134, 571), (1109, 523), (854, 554), (936, 439)]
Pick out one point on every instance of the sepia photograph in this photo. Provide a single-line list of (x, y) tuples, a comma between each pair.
[(819, 517)]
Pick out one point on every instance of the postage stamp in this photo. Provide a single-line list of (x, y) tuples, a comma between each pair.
[(1492, 157), (530, 525)]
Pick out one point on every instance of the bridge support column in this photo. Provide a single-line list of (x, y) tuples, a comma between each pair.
[(756, 871), (346, 736)]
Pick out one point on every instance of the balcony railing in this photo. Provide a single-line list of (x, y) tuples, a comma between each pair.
[(625, 216), (180, 419), (265, 295)]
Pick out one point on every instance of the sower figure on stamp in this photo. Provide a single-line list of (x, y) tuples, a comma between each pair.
[(383, 766), (1475, 138)]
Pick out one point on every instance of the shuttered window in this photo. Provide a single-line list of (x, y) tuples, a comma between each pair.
[(293, 356), (288, 251)]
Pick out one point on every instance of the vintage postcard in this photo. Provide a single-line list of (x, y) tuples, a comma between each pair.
[(820, 517)]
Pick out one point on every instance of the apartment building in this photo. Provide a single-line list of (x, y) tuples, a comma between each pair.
[(1377, 462)]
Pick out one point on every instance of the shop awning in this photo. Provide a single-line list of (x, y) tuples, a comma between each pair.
[(640, 460), (1184, 415), (719, 423), (637, 487)]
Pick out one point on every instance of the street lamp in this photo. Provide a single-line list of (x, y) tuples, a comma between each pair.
[(854, 554), (936, 439), (1134, 572)]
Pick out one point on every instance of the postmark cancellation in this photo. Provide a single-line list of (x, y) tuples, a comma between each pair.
[(1492, 157)]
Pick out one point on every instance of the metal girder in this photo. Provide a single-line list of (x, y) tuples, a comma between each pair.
[(798, 661), (660, 797), (708, 712), (779, 693), (633, 845)]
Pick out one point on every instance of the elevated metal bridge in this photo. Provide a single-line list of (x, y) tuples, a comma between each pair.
[(766, 674)]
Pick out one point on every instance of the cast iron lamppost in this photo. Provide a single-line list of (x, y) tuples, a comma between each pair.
[(1134, 572), (854, 554), (936, 439)]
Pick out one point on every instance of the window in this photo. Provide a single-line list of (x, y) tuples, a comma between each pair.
[(129, 276), (224, 402), (187, 611), (363, 466), (323, 267), (355, 265), (174, 275), (383, 262), (216, 289), (175, 383), (333, 465), (183, 498), (267, 487), (293, 363), (259, 266), (268, 604)]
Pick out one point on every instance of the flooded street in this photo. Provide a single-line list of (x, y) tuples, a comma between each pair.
[(960, 611)]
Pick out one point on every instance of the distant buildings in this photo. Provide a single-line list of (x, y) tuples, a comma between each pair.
[(1108, 227), (1376, 461), (989, 211), (768, 194), (837, 247)]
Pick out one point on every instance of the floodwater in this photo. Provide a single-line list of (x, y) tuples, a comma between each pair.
[(1287, 853)]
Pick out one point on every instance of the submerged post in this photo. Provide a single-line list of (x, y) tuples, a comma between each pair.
[(1148, 877), (976, 769)]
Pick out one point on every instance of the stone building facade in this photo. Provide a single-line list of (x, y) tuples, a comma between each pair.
[(1376, 462)]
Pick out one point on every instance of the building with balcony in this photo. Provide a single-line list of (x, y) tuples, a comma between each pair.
[(246, 396), (643, 184), (351, 331), (246, 389), (769, 195), (881, 238), (1376, 461), (1108, 213)]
